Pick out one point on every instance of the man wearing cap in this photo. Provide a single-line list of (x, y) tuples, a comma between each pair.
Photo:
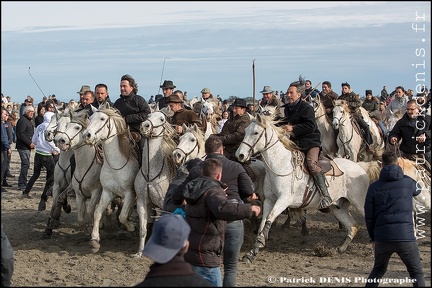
[(233, 131), (133, 107), (87, 103), (167, 246), (182, 116), (167, 89), (270, 105), (83, 89), (239, 188)]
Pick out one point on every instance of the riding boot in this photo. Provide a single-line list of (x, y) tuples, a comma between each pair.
[(320, 181), (365, 128)]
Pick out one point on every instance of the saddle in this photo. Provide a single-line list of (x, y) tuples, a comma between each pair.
[(329, 167)]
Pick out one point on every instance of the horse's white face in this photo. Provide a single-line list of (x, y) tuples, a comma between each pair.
[(154, 125), (98, 129), (51, 128), (186, 149), (338, 114), (70, 138), (208, 109), (253, 142)]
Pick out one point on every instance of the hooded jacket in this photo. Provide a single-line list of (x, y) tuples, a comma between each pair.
[(42, 146), (389, 206), (207, 209)]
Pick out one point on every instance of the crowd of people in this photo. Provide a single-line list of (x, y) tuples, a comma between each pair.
[(217, 194)]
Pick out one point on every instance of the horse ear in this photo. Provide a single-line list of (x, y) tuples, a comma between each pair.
[(195, 127), (258, 118), (184, 127)]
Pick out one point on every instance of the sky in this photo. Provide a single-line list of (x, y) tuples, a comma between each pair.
[(232, 47)]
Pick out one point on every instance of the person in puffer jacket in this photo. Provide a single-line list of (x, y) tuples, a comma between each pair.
[(207, 210), (389, 220)]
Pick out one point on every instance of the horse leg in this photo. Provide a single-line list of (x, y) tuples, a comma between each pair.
[(348, 222), (127, 207), (100, 207), (81, 210), (141, 204)]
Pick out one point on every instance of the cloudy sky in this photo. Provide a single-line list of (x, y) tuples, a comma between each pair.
[(56, 47)]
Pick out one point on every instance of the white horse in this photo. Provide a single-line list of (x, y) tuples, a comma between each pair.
[(287, 185), (192, 145), (328, 143), (394, 118), (156, 172), (349, 140), (62, 172), (86, 177), (119, 168)]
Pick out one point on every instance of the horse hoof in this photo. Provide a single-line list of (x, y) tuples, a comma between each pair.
[(246, 260), (67, 208), (94, 245)]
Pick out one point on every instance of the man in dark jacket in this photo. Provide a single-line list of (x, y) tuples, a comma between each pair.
[(389, 221), (207, 209), (181, 115), (167, 246), (239, 188), (301, 124), (101, 95), (233, 131), (354, 103), (24, 132), (133, 107), (414, 131)]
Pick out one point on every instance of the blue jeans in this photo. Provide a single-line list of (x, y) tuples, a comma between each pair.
[(234, 236), (408, 253), (25, 165), (211, 274)]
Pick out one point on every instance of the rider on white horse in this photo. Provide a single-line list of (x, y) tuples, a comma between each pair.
[(300, 123), (270, 105), (354, 103), (182, 116)]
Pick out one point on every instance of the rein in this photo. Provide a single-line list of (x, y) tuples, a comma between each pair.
[(147, 177), (265, 149), (108, 124), (88, 169)]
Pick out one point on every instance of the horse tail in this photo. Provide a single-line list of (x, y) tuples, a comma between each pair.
[(372, 168)]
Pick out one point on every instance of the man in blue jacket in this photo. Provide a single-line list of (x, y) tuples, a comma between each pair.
[(389, 221)]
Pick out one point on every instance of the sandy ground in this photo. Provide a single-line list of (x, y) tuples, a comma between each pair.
[(287, 260)]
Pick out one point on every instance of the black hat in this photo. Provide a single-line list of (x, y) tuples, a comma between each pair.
[(239, 103), (368, 92), (168, 84)]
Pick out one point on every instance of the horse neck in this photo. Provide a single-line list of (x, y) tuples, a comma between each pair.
[(85, 155), (112, 148), (276, 156)]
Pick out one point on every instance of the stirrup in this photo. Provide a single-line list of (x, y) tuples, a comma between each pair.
[(325, 202)]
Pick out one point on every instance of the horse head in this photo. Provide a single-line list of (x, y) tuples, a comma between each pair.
[(191, 145), (340, 111), (71, 136), (154, 125)]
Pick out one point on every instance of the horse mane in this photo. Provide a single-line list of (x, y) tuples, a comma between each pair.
[(81, 118), (282, 135), (169, 144), (121, 127), (199, 136), (344, 104)]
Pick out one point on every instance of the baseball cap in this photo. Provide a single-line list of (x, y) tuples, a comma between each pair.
[(168, 237)]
